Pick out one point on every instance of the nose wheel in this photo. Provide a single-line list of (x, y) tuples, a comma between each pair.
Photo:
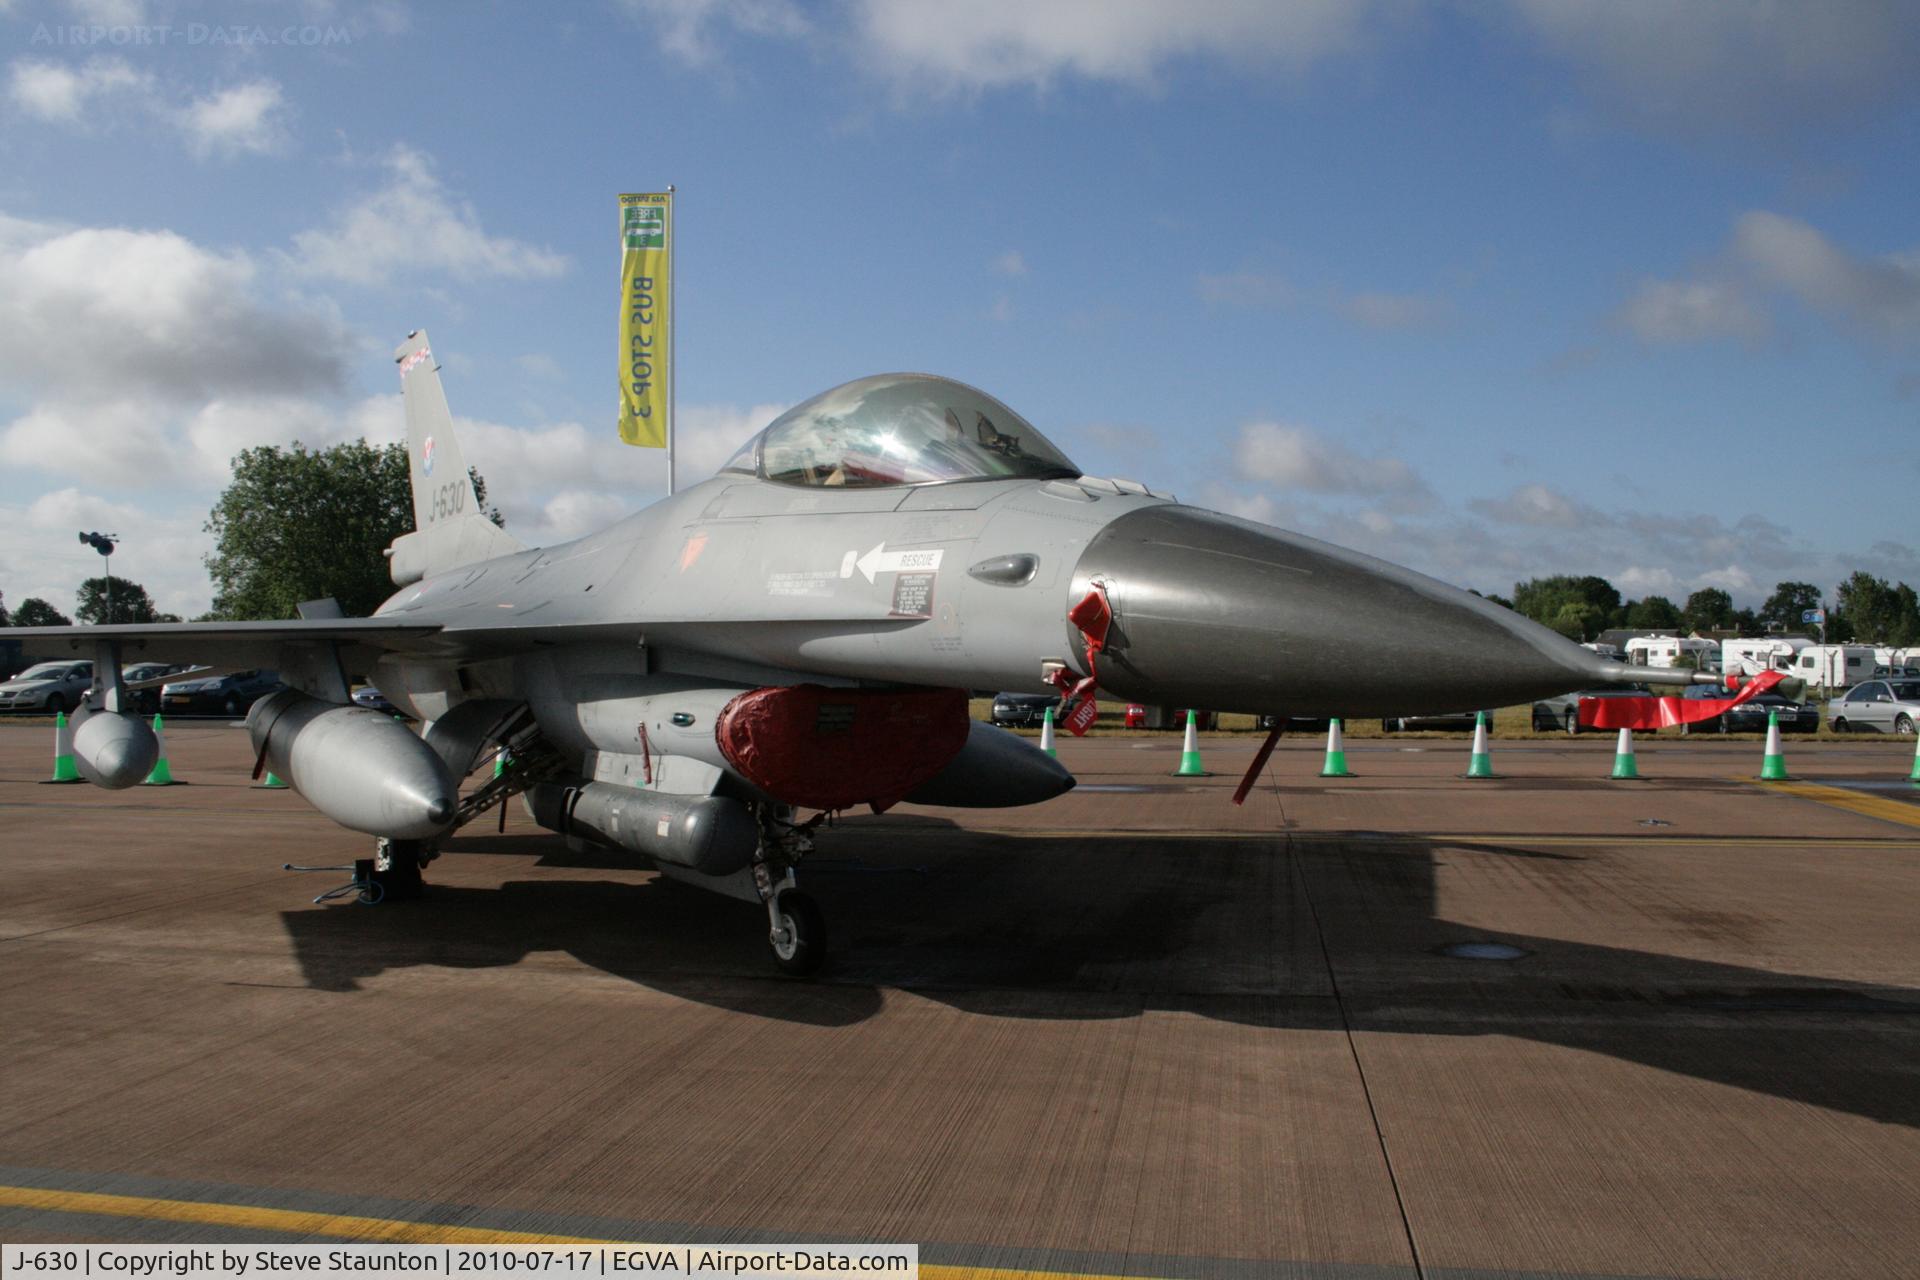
[(796, 932)]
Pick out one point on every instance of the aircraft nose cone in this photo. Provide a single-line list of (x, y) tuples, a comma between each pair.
[(1220, 613)]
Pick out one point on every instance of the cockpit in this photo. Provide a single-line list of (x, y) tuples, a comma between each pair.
[(899, 429)]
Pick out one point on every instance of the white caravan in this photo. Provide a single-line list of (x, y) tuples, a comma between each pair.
[(1834, 666), (1768, 653), (1665, 651)]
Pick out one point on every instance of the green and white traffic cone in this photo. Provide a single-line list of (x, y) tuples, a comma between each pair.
[(1190, 766), (1774, 767), (64, 769), (499, 762), (1481, 766), (272, 782), (1624, 765), (1046, 733), (1336, 765), (162, 775), (1914, 777)]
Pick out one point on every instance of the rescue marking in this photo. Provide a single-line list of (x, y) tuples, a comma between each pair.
[(880, 560)]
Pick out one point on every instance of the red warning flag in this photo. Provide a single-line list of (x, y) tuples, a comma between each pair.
[(1648, 712)]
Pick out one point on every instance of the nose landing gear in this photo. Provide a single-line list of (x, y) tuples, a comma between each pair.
[(796, 930)]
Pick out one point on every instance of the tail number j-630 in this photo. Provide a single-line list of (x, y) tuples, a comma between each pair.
[(448, 500)]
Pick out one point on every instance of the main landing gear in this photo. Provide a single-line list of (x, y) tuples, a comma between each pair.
[(396, 868), (796, 931)]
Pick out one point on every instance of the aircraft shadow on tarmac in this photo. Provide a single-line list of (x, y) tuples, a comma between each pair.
[(1338, 929)]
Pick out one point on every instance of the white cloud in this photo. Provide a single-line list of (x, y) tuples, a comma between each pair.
[(1298, 458), (540, 365), (1881, 295), (1389, 310), (66, 95), (244, 118), (1368, 309), (161, 550), (1538, 506), (684, 27), (109, 13), (935, 46), (414, 225), (1010, 263), (1732, 579), (1247, 289), (1692, 311), (1756, 68), (1772, 254), (98, 313), (1637, 582)]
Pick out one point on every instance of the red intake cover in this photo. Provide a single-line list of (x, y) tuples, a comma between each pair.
[(819, 748)]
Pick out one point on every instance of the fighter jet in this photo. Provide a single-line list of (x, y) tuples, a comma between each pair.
[(699, 684)]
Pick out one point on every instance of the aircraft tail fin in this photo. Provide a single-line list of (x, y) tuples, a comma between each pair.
[(449, 529)]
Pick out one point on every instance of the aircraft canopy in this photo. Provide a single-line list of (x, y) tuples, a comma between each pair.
[(899, 429)]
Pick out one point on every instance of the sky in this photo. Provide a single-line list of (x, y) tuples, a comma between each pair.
[(1493, 289)]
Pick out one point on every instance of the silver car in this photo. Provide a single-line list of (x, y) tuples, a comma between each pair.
[(47, 686), (1877, 706)]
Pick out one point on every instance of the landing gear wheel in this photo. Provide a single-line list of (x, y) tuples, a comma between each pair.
[(797, 933), (396, 871)]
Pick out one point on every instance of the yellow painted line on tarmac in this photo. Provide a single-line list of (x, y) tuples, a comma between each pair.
[(1415, 837), (392, 1231), (281, 1221), (1907, 815)]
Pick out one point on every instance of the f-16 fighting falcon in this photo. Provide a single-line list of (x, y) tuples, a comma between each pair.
[(799, 634)]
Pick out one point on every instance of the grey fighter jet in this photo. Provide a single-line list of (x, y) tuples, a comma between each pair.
[(799, 635)]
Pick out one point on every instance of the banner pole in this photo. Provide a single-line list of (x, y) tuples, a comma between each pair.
[(673, 339)]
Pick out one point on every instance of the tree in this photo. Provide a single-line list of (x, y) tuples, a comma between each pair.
[(1789, 601), (1707, 609), (5, 621), (35, 612), (1575, 607), (131, 603), (1871, 607), (1655, 613), (299, 524)]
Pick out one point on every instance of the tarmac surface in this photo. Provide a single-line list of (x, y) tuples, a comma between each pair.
[(1134, 1031)]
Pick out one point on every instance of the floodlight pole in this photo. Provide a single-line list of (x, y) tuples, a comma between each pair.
[(104, 543)]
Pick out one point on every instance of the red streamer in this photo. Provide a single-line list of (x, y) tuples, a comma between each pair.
[(1648, 712)]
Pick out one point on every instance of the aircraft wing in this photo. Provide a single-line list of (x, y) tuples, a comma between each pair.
[(233, 646)]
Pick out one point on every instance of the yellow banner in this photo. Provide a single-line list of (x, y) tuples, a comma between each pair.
[(646, 318)]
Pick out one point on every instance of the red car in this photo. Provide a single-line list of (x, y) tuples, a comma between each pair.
[(1136, 716)]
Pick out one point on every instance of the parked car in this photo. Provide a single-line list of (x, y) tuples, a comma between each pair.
[(1751, 715), (1449, 720), (1563, 710), (1022, 708), (147, 701), (229, 695), (374, 700), (47, 686), (1877, 706)]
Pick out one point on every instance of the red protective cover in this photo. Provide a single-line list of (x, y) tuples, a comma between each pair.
[(820, 748), (1664, 713)]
